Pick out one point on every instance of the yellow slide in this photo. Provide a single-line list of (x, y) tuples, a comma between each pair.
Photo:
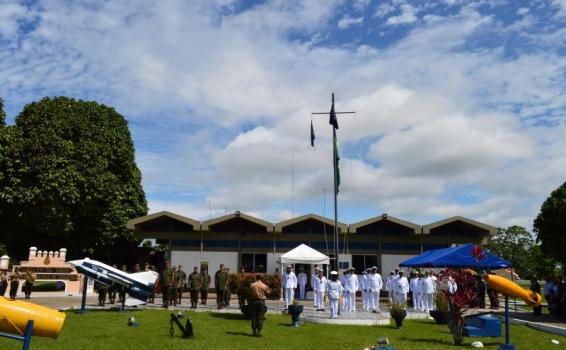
[(509, 288), (15, 314)]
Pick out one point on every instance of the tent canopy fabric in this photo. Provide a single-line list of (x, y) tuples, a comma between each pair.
[(460, 256), (304, 254)]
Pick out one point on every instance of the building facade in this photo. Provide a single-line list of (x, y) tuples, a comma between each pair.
[(238, 239)]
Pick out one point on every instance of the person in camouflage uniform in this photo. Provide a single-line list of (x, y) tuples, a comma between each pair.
[(241, 292), (167, 278), (180, 278), (220, 279), (204, 285), (173, 289), (227, 291), (195, 281)]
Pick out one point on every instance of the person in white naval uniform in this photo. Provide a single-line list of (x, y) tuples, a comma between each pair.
[(429, 292), (315, 283), (334, 292), (364, 289), (421, 289), (402, 288), (389, 286), (314, 275), (352, 286), (374, 287), (345, 275), (321, 289), (289, 283), (413, 288), (302, 281)]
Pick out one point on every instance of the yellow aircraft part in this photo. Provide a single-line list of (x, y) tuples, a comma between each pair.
[(15, 314), (509, 288)]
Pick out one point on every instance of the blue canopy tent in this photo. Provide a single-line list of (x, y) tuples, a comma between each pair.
[(460, 256)]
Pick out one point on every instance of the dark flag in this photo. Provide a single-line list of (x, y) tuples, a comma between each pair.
[(333, 119), (312, 135), (336, 162)]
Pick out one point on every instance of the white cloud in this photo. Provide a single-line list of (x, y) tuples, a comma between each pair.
[(408, 15), (522, 11), (347, 21)]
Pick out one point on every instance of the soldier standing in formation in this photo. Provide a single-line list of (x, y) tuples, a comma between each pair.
[(220, 279), (28, 284), (101, 289), (173, 289), (205, 284), (166, 281), (3, 283), (258, 294), (241, 294), (14, 284), (180, 279), (195, 283), (122, 292), (227, 291)]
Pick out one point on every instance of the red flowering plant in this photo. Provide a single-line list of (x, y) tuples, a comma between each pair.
[(459, 302)]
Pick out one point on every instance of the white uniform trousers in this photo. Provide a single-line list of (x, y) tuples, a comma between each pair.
[(320, 297), (402, 298), (334, 308), (302, 291), (416, 300), (429, 302), (374, 300), (365, 300), (346, 300), (289, 296), (351, 301)]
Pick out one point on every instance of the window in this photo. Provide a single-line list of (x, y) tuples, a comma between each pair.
[(254, 262), (362, 262)]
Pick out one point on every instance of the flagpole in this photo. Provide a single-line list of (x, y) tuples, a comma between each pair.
[(336, 250)]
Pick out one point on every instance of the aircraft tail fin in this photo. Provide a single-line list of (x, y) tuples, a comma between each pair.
[(147, 277)]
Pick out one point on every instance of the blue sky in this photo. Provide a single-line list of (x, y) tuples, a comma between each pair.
[(460, 104)]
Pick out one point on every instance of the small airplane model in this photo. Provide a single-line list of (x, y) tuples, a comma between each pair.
[(138, 285)]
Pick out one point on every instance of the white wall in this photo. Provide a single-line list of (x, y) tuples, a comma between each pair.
[(390, 262), (273, 262), (190, 259)]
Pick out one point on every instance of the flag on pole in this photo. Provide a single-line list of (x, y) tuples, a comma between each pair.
[(336, 161), (312, 135), (333, 119)]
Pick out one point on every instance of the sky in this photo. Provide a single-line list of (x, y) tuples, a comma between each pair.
[(460, 105)]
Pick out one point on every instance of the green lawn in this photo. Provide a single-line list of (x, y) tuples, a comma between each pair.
[(107, 330)]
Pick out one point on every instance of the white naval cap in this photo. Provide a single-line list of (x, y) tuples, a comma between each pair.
[(333, 273)]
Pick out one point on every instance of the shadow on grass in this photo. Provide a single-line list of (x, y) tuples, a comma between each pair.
[(444, 341), (242, 334), (228, 316)]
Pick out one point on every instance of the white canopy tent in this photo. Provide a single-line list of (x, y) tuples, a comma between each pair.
[(304, 254)]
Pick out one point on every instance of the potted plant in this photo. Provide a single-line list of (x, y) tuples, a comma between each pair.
[(439, 314), (398, 312), (295, 309), (460, 302)]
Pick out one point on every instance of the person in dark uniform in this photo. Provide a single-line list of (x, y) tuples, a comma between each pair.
[(258, 294), (112, 290), (535, 287), (28, 284), (173, 288), (220, 279), (151, 298), (204, 285), (166, 281), (241, 293), (101, 289), (122, 290), (195, 282), (14, 284), (181, 281), (3, 283), (227, 290)]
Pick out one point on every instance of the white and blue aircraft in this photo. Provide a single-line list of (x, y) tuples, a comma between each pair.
[(139, 285)]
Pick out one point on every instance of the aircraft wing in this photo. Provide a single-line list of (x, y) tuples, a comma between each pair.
[(147, 277), (119, 280)]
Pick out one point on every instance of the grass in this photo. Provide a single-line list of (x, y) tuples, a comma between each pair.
[(102, 330)]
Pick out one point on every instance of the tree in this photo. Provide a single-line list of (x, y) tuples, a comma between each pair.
[(516, 245), (550, 225), (2, 114), (73, 179)]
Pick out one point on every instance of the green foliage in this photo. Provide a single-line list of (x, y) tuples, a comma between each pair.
[(70, 179), (2, 114), (550, 225), (518, 246)]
